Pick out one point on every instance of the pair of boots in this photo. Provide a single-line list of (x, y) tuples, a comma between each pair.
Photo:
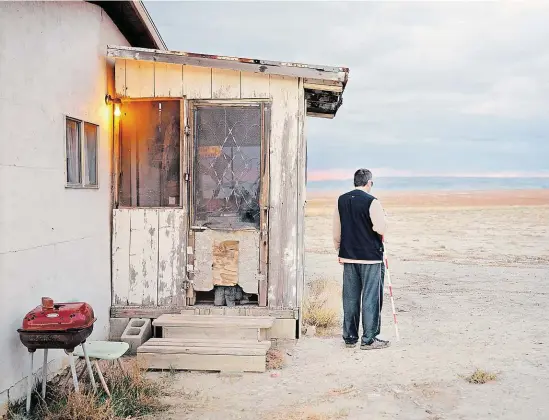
[(230, 296)]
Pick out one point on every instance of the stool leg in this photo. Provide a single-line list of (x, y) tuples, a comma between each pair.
[(88, 364), (120, 364), (73, 370), (44, 374), (101, 378), (29, 383)]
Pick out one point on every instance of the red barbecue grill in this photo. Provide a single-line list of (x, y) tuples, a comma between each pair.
[(56, 326)]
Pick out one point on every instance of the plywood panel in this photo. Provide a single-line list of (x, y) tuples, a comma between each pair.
[(225, 84), (283, 192), (254, 85), (120, 256), (225, 263), (248, 261), (139, 79), (197, 82), (143, 257), (168, 80), (172, 230), (120, 77)]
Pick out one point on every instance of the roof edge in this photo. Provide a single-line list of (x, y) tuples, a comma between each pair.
[(134, 22), (149, 23), (320, 73)]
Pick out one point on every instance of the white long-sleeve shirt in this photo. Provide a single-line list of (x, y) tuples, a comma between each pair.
[(379, 225)]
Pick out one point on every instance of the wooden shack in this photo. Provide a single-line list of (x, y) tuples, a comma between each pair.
[(209, 175)]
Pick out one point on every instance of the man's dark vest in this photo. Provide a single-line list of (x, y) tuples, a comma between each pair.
[(358, 240)]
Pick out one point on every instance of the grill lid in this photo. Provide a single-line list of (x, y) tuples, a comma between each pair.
[(52, 316)]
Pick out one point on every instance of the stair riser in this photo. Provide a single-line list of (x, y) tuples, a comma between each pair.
[(215, 363), (220, 333)]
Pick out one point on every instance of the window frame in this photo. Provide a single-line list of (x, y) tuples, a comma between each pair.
[(83, 162)]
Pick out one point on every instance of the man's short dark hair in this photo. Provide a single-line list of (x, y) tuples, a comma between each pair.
[(362, 176)]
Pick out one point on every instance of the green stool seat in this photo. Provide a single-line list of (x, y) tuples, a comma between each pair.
[(103, 350)]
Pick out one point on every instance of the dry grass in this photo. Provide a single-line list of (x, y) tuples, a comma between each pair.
[(275, 359), (319, 308), (132, 395), (480, 376)]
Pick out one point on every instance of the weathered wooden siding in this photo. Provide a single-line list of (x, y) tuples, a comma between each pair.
[(148, 256), (141, 79), (286, 156), (283, 215)]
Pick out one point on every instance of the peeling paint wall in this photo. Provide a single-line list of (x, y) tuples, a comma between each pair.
[(53, 241)]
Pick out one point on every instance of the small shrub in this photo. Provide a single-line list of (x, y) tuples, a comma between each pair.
[(316, 309), (480, 376), (132, 395)]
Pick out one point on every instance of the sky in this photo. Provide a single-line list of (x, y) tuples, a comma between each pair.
[(435, 88)]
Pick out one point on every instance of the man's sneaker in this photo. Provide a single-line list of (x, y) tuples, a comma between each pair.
[(350, 345), (376, 344)]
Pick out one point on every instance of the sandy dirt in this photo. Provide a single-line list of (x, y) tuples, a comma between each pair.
[(470, 273)]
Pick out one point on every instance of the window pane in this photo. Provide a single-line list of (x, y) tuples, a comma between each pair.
[(90, 144), (149, 154), (227, 165), (74, 175)]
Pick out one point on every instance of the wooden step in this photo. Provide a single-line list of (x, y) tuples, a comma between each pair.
[(212, 321), (204, 354), (214, 327)]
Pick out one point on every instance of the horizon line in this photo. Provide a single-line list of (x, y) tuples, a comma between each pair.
[(346, 175)]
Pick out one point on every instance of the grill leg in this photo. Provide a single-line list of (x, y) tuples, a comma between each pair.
[(44, 374), (73, 370), (88, 364), (29, 383)]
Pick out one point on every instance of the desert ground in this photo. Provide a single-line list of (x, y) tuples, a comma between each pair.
[(470, 276)]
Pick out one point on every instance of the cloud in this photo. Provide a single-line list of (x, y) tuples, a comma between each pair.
[(441, 87)]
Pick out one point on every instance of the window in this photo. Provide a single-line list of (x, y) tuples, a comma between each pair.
[(150, 154), (81, 153)]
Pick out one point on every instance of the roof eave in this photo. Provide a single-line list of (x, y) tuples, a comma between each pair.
[(134, 22)]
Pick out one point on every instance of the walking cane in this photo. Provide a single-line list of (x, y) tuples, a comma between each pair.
[(388, 277)]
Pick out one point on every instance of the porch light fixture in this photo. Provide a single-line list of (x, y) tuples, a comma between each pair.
[(116, 102)]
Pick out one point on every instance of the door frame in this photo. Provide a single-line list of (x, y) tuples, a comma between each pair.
[(264, 197)]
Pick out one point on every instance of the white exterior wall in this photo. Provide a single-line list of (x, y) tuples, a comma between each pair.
[(53, 241)]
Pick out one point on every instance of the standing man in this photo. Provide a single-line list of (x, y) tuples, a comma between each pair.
[(359, 224)]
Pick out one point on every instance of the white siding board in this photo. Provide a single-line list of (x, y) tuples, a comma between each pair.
[(171, 254), (301, 191), (283, 192), (120, 256), (168, 80), (143, 257), (225, 84), (139, 79), (254, 85), (197, 82)]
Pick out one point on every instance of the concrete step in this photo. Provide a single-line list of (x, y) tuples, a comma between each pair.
[(205, 354), (214, 327)]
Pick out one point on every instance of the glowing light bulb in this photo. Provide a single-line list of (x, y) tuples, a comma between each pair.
[(117, 111)]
